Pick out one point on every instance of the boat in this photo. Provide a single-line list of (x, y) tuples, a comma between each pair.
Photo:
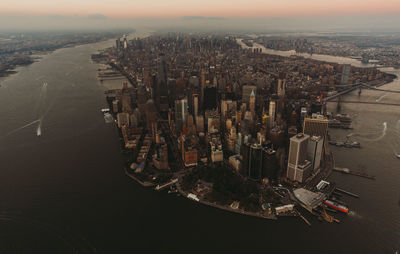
[(337, 206)]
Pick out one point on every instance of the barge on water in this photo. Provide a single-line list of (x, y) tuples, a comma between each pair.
[(336, 206)]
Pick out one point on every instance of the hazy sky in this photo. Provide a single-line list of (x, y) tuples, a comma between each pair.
[(177, 8)]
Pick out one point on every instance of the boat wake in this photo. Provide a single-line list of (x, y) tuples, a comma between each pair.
[(381, 97), (39, 129), (355, 215), (40, 115), (365, 137), (22, 127)]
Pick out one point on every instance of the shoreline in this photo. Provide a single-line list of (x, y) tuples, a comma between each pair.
[(324, 174), (36, 56)]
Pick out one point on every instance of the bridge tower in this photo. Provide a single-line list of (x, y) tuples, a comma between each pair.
[(339, 104)]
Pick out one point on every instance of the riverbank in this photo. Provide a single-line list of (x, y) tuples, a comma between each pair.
[(29, 55)]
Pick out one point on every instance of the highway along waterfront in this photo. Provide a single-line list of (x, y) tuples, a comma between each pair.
[(66, 191)]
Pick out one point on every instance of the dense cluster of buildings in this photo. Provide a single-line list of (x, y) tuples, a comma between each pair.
[(261, 114), (383, 50)]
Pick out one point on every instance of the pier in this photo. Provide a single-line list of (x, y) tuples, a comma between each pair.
[(160, 187), (348, 193), (353, 172)]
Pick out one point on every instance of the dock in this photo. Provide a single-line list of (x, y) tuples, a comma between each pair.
[(172, 182), (354, 172), (348, 193)]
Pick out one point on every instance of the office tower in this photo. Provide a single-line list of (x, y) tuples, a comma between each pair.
[(281, 87), (195, 105), (314, 151), (213, 122), (270, 165), (345, 74), (150, 114), (126, 102), (299, 168), (123, 119), (210, 98), (230, 139), (228, 107), (238, 144), (272, 108), (115, 106), (252, 102), (315, 126), (246, 92), (200, 123), (217, 154), (125, 43), (203, 86), (181, 112), (118, 44), (190, 125), (160, 158), (133, 121), (189, 152), (255, 162), (245, 151), (161, 90)]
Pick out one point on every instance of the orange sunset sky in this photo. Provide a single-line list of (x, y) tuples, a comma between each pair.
[(177, 8)]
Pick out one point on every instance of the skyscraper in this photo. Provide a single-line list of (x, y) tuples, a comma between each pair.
[(281, 87), (246, 92), (161, 90), (314, 151), (195, 105), (203, 86), (272, 108), (252, 102), (255, 162), (345, 74), (299, 167), (315, 126), (181, 112)]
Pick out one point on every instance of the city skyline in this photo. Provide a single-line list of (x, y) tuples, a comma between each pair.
[(206, 8)]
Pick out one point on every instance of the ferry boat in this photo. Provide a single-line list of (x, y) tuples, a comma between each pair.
[(337, 206)]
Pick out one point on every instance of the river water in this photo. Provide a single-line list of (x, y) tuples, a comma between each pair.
[(66, 192)]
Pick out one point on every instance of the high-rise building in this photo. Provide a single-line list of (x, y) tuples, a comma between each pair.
[(195, 105), (181, 112), (281, 87), (345, 75), (245, 151), (299, 167), (272, 108), (270, 165), (123, 119), (203, 86), (246, 92), (255, 162), (200, 123), (238, 144), (210, 98), (228, 106), (252, 102), (160, 158), (314, 151), (316, 126), (126, 103), (161, 90)]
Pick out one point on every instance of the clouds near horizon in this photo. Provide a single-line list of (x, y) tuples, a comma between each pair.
[(207, 8)]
